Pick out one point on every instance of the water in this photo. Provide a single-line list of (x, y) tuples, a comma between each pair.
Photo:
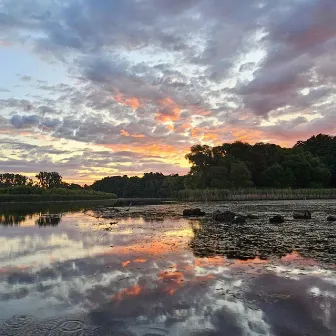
[(151, 272)]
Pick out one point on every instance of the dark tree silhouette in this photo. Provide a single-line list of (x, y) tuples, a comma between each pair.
[(49, 180)]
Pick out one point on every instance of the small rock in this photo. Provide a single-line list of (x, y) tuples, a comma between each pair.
[(226, 216), (251, 216), (277, 219), (193, 213), (302, 214), (239, 219), (331, 218)]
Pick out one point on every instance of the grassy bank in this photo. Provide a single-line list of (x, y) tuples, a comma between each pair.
[(35, 194), (255, 194)]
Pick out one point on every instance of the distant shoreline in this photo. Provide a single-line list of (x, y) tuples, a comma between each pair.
[(209, 195), (256, 194), (53, 199)]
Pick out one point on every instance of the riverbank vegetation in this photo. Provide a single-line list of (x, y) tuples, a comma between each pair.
[(263, 170), (253, 194), (231, 171), (48, 187), (309, 164)]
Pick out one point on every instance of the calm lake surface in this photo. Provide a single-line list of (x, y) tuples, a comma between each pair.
[(148, 271)]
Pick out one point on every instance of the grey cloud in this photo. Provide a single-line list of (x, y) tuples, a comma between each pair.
[(12, 103), (26, 78), (192, 52), (297, 41), (19, 121), (27, 121), (302, 128)]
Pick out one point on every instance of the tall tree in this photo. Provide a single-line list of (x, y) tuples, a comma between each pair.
[(12, 180), (324, 147), (49, 180)]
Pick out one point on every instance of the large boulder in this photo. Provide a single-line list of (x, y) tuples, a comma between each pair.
[(302, 214), (226, 216), (193, 213), (277, 219), (331, 218)]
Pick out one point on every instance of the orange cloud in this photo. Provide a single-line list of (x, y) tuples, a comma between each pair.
[(132, 102), (171, 276), (169, 110), (206, 277), (153, 149), (211, 137), (150, 248), (255, 261), (199, 110), (126, 134), (126, 292), (174, 280), (135, 261), (206, 262), (170, 127), (140, 261), (125, 264)]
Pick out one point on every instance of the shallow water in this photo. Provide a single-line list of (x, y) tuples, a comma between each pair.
[(142, 273)]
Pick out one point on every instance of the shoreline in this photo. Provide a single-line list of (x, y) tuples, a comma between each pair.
[(154, 201)]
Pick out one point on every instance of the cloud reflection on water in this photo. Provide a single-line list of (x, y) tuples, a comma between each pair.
[(142, 280)]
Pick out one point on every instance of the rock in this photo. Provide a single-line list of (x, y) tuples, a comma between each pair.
[(302, 214), (277, 219), (193, 213), (239, 219), (331, 218), (252, 216), (226, 216)]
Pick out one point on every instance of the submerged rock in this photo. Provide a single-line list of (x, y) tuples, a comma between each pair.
[(239, 219), (302, 214), (226, 216), (277, 219), (193, 213), (251, 216), (331, 218)]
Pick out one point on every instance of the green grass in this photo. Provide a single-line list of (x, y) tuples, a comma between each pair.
[(255, 194), (35, 194)]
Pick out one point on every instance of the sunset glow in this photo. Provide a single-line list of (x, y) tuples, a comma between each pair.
[(130, 88)]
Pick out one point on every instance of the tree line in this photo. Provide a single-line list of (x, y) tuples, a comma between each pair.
[(309, 164), (45, 180)]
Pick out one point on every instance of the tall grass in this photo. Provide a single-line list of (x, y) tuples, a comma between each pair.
[(255, 194), (35, 194)]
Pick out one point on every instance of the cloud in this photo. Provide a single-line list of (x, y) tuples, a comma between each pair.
[(26, 78), (28, 121), (19, 121), (148, 72)]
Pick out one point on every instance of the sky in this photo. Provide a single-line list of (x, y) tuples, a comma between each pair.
[(94, 88)]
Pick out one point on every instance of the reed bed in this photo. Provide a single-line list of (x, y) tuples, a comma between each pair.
[(49, 198), (32, 194), (255, 194)]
